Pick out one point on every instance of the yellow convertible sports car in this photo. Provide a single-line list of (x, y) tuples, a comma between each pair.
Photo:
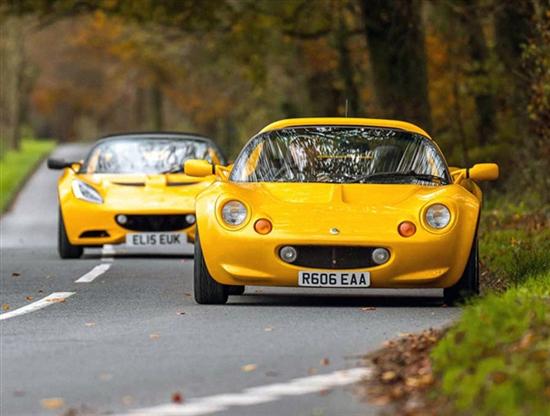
[(131, 189), (338, 203)]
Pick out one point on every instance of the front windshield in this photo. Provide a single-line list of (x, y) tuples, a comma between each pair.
[(148, 156), (340, 155)]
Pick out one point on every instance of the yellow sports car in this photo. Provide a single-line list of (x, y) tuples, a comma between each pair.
[(338, 203), (131, 189)]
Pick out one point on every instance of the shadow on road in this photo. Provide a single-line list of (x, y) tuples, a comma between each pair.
[(331, 300)]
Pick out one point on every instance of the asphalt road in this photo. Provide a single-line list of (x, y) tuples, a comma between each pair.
[(133, 337)]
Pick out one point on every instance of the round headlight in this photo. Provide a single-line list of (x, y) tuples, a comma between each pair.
[(190, 219), (438, 216), (234, 213), (288, 254), (380, 255)]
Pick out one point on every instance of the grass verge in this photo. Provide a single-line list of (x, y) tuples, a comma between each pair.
[(496, 359), (15, 167)]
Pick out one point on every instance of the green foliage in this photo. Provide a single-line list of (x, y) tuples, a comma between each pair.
[(496, 359), (514, 238), (16, 165)]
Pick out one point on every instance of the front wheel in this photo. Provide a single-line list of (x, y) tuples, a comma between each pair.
[(207, 291), (65, 249), (468, 285)]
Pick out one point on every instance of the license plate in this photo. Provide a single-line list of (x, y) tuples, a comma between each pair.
[(329, 278), (155, 239)]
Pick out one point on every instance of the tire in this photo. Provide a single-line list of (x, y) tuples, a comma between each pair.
[(65, 249), (235, 290), (468, 285), (206, 290)]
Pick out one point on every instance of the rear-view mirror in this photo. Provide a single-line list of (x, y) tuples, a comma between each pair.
[(483, 172)]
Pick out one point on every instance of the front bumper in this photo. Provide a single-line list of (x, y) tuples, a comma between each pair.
[(424, 260), (95, 225)]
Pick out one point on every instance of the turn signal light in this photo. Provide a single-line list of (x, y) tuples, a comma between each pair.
[(263, 226), (406, 229)]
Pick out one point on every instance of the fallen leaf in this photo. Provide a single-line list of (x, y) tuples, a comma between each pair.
[(381, 400), (248, 368), (154, 335), (127, 400), (29, 298), (187, 294), (105, 376), (180, 312), (268, 329), (15, 274), (324, 392), (89, 324), (177, 397), (5, 307), (368, 308), (389, 375), (325, 361), (56, 300), (40, 291), (526, 341), (52, 403)]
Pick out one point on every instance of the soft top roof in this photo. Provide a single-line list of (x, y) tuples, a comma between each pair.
[(344, 121)]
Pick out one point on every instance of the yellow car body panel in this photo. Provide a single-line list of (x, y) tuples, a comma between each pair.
[(364, 215), (125, 194)]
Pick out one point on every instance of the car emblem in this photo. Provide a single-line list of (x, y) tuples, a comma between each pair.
[(334, 231)]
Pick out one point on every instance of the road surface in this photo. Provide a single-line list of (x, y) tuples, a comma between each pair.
[(128, 338)]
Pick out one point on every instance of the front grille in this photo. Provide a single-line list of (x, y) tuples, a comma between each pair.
[(155, 222), (334, 257)]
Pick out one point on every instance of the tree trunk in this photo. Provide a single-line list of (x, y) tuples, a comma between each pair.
[(513, 28), (468, 17), (157, 104), (395, 38), (12, 82), (345, 66)]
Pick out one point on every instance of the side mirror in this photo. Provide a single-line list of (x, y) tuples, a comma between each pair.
[(198, 167), (483, 172), (58, 164)]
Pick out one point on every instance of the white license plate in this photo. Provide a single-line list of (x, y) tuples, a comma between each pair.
[(155, 239), (329, 278)]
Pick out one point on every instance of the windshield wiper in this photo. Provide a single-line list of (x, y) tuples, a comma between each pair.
[(389, 175), (173, 169)]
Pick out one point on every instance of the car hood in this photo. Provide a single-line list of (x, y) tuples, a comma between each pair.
[(140, 191), (353, 208), (363, 196)]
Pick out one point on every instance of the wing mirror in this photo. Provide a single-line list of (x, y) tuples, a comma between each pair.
[(483, 172), (198, 167), (58, 164), (478, 172)]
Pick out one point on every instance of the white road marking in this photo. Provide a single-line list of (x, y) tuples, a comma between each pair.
[(56, 297), (256, 395), (92, 274)]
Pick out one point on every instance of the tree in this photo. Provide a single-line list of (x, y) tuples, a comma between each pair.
[(395, 38)]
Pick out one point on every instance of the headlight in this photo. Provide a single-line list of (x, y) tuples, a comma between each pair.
[(438, 216), (234, 213), (85, 192)]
